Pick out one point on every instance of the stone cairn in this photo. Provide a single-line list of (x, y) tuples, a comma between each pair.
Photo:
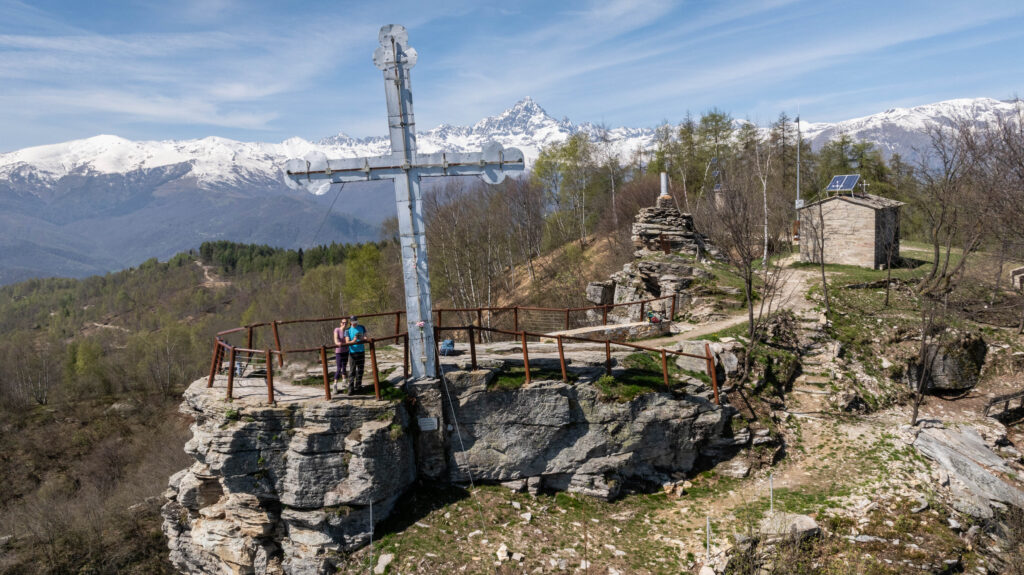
[(666, 247)]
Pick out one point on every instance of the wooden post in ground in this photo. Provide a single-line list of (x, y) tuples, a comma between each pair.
[(515, 318), (323, 365), (277, 343), (664, 369), (398, 322), (270, 377), (642, 309), (214, 362), (526, 358), (472, 349), (440, 320), (604, 315), (561, 360), (607, 357), (231, 374), (566, 318), (376, 376), (674, 298), (479, 323), (248, 340), (711, 371)]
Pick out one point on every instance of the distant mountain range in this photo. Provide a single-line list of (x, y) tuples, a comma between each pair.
[(96, 205)]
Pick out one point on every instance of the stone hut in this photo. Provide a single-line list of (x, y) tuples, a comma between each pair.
[(859, 230)]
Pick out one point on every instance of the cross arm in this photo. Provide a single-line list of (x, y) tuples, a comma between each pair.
[(491, 164), (316, 167)]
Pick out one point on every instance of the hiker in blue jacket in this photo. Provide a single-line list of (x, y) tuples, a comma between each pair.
[(354, 336)]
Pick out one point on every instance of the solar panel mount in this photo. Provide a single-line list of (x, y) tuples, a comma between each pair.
[(845, 183)]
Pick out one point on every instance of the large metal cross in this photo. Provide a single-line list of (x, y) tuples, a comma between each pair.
[(406, 167)]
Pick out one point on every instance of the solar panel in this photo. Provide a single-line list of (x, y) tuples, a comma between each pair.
[(718, 187), (844, 183)]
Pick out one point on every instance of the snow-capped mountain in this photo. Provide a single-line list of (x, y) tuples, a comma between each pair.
[(904, 131), (94, 205)]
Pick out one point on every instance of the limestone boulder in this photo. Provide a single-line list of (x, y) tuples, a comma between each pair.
[(780, 526), (954, 366)]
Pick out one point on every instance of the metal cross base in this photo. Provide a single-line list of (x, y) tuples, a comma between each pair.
[(396, 58)]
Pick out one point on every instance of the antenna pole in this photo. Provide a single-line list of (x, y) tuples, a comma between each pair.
[(798, 146)]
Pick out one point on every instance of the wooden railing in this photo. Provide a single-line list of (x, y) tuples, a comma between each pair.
[(223, 350)]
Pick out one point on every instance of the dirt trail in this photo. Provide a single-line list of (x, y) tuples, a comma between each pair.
[(211, 280), (795, 283)]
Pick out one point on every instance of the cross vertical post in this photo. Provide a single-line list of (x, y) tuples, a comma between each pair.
[(406, 167)]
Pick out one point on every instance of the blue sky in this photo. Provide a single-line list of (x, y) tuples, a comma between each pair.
[(271, 70)]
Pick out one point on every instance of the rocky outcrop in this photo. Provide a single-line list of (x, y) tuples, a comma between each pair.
[(973, 474), (571, 439), (283, 489), (951, 367), (288, 489)]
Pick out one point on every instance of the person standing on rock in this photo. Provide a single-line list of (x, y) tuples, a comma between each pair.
[(340, 354), (356, 353)]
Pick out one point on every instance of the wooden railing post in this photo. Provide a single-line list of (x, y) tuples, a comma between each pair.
[(440, 320), (675, 296), (711, 371), (604, 315), (515, 318), (566, 318), (231, 374), (479, 323), (214, 362), (405, 358), (642, 306), (270, 377), (248, 340), (664, 369), (376, 376), (526, 358), (607, 357), (398, 322), (323, 365), (561, 360), (472, 349), (277, 343)]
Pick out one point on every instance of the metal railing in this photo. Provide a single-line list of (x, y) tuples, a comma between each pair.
[(475, 333)]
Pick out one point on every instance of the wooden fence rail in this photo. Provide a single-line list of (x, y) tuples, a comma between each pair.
[(475, 333)]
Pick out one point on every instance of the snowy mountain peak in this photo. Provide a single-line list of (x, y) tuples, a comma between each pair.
[(524, 117), (216, 161)]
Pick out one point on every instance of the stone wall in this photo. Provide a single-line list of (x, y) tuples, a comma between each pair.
[(887, 236), (849, 233)]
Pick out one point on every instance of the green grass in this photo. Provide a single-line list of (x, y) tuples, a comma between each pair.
[(512, 378), (617, 390)]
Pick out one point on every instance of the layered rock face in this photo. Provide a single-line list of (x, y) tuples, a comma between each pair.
[(282, 489), (558, 436), (288, 489), (666, 246)]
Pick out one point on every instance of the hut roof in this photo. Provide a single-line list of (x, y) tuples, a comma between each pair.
[(867, 200)]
